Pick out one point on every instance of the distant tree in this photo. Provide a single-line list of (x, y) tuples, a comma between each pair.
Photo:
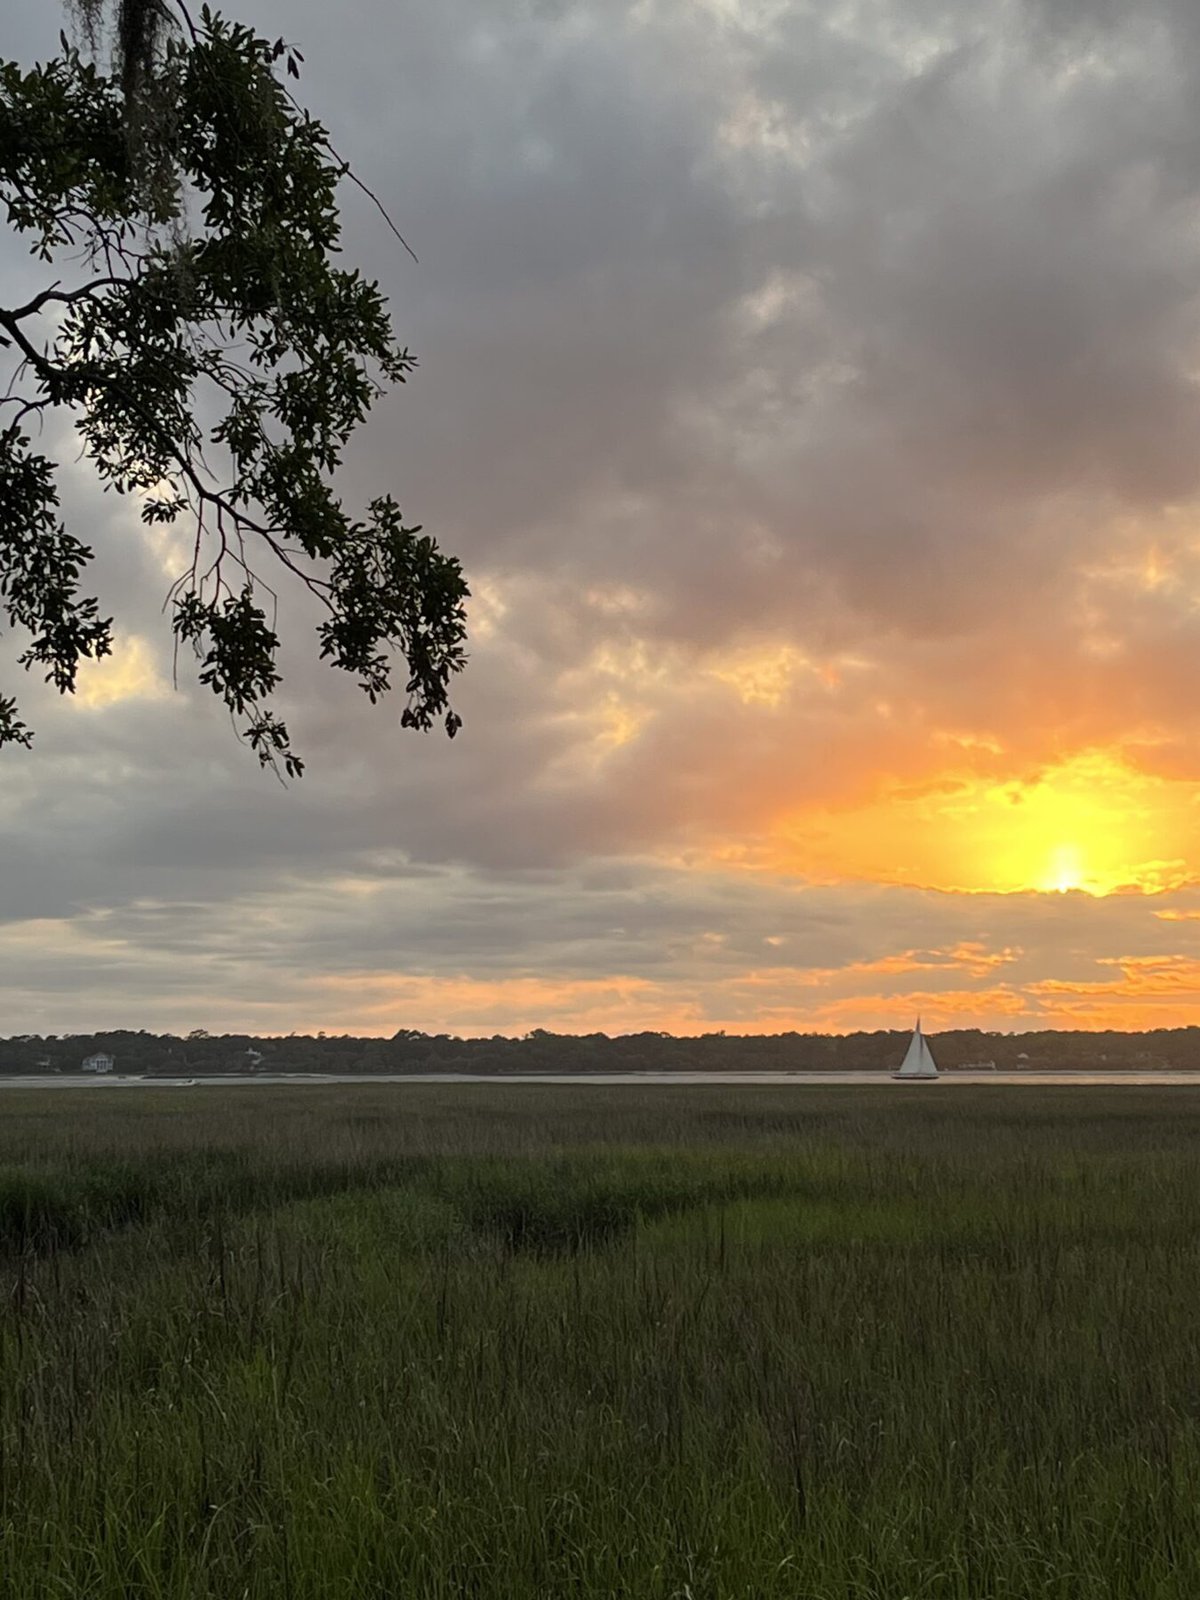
[(214, 361)]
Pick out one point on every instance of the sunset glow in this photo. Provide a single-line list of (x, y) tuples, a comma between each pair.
[(1066, 869), (1092, 824), (811, 395)]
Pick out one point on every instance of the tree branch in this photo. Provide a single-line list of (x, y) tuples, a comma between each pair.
[(349, 172), (62, 297), (318, 587)]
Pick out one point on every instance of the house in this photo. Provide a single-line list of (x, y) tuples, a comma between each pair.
[(99, 1062)]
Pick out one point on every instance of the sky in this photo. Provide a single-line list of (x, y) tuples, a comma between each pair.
[(810, 391)]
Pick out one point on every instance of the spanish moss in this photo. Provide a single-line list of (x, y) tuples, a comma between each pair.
[(138, 29)]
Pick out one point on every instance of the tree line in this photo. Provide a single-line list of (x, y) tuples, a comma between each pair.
[(409, 1050)]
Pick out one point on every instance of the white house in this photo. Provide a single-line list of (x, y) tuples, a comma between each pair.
[(99, 1062)]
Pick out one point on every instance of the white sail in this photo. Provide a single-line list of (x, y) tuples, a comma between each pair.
[(918, 1061)]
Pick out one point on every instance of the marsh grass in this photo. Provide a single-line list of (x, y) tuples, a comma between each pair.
[(515, 1342)]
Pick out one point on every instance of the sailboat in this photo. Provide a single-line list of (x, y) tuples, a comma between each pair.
[(918, 1061)]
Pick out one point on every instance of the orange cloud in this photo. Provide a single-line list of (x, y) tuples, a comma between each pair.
[(972, 959), (1092, 823), (1152, 992)]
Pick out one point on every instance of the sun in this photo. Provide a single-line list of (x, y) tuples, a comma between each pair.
[(1066, 869), (1092, 824)]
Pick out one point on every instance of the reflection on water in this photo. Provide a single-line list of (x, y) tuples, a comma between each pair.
[(593, 1079)]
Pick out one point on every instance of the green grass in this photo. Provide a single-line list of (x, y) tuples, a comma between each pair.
[(515, 1341)]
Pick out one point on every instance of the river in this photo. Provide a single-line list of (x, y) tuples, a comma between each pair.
[(600, 1080)]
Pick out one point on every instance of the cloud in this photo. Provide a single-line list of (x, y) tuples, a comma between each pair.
[(811, 394), (622, 947), (130, 672)]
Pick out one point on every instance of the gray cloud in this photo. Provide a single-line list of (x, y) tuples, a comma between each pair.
[(868, 330), (436, 953)]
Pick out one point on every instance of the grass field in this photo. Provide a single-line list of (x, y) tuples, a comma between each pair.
[(507, 1341)]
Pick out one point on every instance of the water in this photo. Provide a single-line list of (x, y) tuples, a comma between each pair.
[(798, 1080)]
